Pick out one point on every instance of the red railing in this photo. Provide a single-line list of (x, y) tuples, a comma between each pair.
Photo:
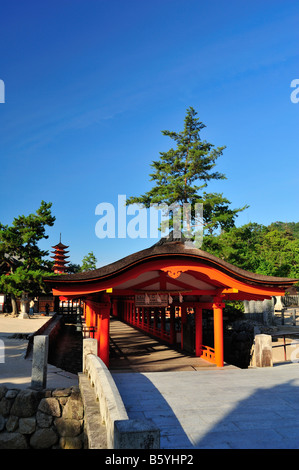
[(208, 354), (145, 322)]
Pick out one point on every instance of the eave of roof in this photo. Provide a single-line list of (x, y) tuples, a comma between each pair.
[(169, 250)]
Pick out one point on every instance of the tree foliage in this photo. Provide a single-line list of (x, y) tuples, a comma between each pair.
[(89, 262), (182, 174), (267, 250), (22, 261)]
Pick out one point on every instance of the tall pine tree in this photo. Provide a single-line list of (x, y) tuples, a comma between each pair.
[(181, 176), (22, 263)]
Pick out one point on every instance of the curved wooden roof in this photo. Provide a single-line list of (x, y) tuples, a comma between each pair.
[(165, 253)]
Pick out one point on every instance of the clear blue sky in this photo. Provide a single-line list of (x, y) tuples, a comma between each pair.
[(89, 85)]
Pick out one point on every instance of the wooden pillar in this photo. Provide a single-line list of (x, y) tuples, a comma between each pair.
[(132, 312), (162, 321), (142, 317), (155, 321), (87, 315), (92, 316), (183, 321), (172, 324), (198, 331), (98, 330), (101, 315), (148, 317), (114, 308), (218, 332), (104, 336)]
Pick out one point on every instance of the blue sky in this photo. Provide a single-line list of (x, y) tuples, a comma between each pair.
[(90, 85)]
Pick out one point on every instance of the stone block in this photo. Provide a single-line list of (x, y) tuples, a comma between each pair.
[(71, 442), (12, 440), (40, 362), (2, 423), (43, 420), (11, 393), (5, 406), (25, 404), (68, 427), (43, 438), (136, 434), (27, 425), (50, 406), (73, 409), (12, 423), (3, 391), (263, 351)]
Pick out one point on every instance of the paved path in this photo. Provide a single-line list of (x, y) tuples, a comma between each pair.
[(199, 406), (194, 407), (15, 371), (218, 409)]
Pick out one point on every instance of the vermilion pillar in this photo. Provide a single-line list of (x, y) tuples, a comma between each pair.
[(183, 322), (172, 324), (198, 331), (104, 335), (114, 308), (162, 322), (88, 316), (218, 332)]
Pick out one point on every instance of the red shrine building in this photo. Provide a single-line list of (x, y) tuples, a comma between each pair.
[(158, 287)]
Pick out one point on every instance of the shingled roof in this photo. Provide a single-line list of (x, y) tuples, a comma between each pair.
[(169, 248)]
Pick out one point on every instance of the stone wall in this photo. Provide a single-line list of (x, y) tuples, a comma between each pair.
[(50, 419), (260, 310)]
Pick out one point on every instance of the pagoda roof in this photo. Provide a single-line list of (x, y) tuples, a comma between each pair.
[(60, 246)]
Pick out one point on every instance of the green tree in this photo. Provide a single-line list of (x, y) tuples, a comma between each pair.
[(181, 176), (279, 254), (22, 260), (258, 248), (73, 268), (291, 227), (89, 262)]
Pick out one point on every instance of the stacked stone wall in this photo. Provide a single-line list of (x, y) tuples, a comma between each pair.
[(49, 419)]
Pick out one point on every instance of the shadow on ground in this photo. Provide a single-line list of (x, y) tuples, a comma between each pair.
[(144, 401), (268, 418)]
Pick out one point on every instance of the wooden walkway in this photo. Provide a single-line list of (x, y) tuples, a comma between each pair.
[(133, 350)]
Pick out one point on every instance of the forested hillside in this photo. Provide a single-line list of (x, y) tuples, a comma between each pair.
[(272, 250)]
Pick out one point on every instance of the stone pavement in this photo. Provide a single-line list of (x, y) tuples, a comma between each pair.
[(218, 409), (205, 408), (15, 371)]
